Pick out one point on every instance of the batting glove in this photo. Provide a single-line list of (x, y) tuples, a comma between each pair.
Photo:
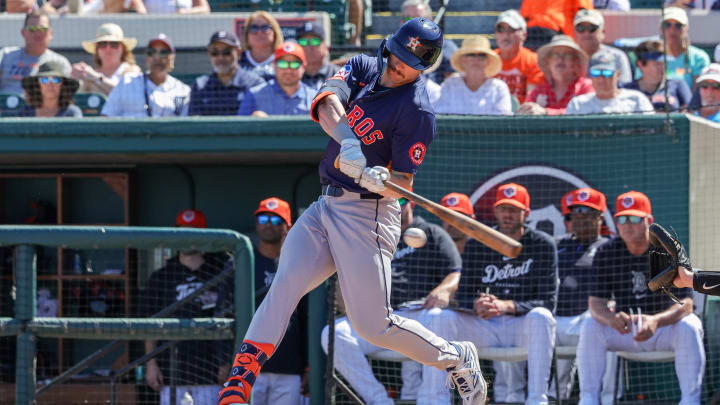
[(351, 159), (373, 178)]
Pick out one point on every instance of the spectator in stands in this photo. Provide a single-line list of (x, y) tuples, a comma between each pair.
[(222, 91), (286, 94), (475, 91), (95, 7), (421, 8), (547, 18), (510, 301), (154, 93), (461, 203), (360, 16), (653, 83), (112, 56), (261, 37), (281, 380), (608, 98), (695, 4), (20, 6), (615, 5), (177, 6), (590, 33), (312, 38), (17, 62), (519, 64), (424, 280), (621, 268), (565, 65), (49, 93), (576, 249), (709, 84), (197, 364), (684, 61)]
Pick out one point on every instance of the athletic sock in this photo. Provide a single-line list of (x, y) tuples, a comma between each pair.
[(247, 364)]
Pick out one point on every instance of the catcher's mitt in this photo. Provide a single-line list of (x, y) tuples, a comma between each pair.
[(665, 255)]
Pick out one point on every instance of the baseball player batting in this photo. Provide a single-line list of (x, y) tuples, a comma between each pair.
[(376, 111)]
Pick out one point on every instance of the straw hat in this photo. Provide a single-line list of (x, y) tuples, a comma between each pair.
[(477, 44), (112, 33), (50, 69), (557, 41)]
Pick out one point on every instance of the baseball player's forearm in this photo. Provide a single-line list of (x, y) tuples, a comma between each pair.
[(599, 310), (404, 180), (333, 119), (675, 313), (449, 284)]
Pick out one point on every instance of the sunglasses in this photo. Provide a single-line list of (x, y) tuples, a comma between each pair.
[(257, 28), (402, 201), (275, 220), (505, 30), (36, 28), (50, 79), (668, 24), (103, 44), (162, 53), (225, 52), (476, 55), (707, 85), (606, 73), (309, 41), (589, 28), (633, 219), (285, 64)]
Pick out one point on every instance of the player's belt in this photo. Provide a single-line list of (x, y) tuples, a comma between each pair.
[(335, 191)]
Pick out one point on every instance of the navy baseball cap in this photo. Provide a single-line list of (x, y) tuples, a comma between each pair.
[(225, 37), (311, 27), (163, 39)]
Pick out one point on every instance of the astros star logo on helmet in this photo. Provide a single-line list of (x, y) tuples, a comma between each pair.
[(413, 43)]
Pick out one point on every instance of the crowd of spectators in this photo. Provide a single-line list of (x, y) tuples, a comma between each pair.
[(547, 61)]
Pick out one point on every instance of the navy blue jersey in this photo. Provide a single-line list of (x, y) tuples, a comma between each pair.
[(624, 277), (679, 94), (395, 125), (530, 280), (576, 274), (416, 271)]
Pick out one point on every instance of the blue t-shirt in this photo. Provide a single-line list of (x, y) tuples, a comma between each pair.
[(271, 99), (680, 68), (679, 94), (71, 111), (714, 118), (393, 124), (576, 274), (209, 96), (624, 277), (530, 280)]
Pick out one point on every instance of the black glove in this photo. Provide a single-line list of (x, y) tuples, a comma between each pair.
[(665, 255)]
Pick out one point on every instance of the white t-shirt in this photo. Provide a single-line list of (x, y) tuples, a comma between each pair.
[(127, 99), (166, 6), (433, 91), (492, 98), (627, 101), (619, 5)]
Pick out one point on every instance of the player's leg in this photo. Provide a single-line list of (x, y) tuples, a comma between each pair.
[(608, 381), (411, 371), (284, 389), (509, 383), (536, 331), (304, 263), (566, 334), (350, 361), (261, 389), (204, 394), (686, 338)]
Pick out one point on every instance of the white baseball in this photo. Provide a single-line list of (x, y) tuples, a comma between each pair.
[(415, 237)]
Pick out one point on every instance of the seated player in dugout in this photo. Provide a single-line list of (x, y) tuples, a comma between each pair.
[(505, 302), (641, 321), (376, 110), (583, 210), (424, 279), (461, 203), (198, 367)]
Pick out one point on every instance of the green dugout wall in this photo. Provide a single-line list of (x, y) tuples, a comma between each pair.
[(227, 165)]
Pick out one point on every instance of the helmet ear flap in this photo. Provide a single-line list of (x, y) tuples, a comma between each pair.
[(385, 52)]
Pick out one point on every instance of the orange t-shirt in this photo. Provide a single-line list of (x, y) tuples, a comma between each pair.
[(519, 71), (556, 15)]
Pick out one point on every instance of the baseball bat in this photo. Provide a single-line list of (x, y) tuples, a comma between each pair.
[(491, 238)]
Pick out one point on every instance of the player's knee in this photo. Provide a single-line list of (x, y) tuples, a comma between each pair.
[(590, 327), (690, 328), (541, 317)]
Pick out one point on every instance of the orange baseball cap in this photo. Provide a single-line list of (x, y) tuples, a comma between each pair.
[(513, 194), (458, 202), (633, 203), (191, 218), (276, 206), (586, 196), (290, 48), (564, 210)]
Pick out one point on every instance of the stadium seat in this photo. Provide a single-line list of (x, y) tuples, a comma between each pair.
[(10, 104), (90, 103)]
